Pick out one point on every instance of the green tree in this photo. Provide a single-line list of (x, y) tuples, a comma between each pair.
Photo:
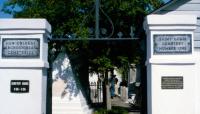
[(75, 16)]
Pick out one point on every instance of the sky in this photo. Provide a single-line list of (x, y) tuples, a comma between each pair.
[(3, 15)]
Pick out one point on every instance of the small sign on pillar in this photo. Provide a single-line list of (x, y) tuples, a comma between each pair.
[(21, 48), (172, 82), (19, 86)]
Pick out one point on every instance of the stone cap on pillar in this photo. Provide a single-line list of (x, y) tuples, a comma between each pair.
[(170, 22), (24, 26)]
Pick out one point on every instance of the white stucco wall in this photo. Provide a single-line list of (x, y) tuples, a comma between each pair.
[(173, 101), (22, 103), (67, 96)]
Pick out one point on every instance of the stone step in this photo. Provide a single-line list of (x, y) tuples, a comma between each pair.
[(67, 113), (67, 103), (71, 105), (66, 106), (58, 109), (67, 100), (67, 110)]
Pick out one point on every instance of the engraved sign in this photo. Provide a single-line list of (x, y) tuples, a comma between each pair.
[(172, 44), (172, 82), (20, 48), (19, 86)]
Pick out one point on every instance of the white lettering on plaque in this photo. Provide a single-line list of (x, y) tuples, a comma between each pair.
[(20, 48), (172, 43), (19, 86)]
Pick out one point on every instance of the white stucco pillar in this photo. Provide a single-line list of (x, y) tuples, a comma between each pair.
[(23, 65), (171, 64)]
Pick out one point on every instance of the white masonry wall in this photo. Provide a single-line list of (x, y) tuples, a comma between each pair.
[(171, 101), (21, 68), (67, 96)]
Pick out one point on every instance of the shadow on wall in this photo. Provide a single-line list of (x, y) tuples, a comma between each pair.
[(64, 82)]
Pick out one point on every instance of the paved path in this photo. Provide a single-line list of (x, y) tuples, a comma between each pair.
[(117, 101), (134, 113)]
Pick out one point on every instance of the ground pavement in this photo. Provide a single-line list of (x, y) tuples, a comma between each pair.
[(117, 101)]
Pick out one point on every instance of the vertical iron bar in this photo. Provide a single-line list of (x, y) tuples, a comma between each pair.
[(97, 6)]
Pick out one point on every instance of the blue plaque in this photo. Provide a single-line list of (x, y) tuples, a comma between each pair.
[(20, 48), (172, 44)]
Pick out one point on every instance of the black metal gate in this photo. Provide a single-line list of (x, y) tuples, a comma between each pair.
[(96, 92)]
